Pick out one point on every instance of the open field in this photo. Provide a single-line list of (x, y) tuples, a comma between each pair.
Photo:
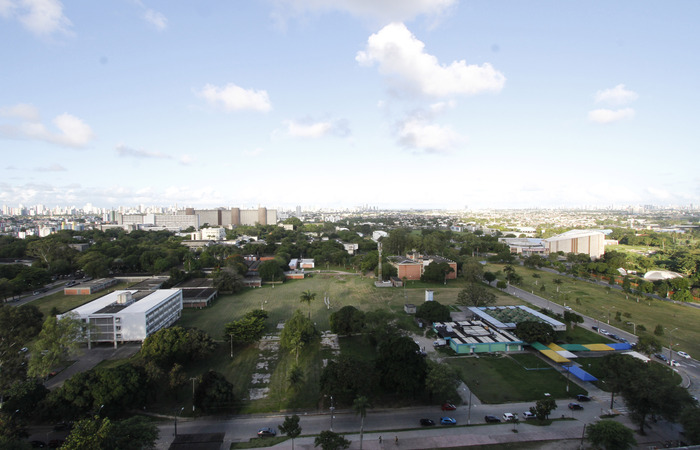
[(602, 303), (343, 290), (508, 381)]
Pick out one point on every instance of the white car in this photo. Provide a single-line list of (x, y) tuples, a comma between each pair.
[(509, 417), (684, 354), (528, 415), (675, 363)]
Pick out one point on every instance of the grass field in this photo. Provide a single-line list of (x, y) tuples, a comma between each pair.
[(602, 303), (508, 381)]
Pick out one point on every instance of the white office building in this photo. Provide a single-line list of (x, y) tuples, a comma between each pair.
[(129, 315)]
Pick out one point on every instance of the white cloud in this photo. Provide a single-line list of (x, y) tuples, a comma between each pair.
[(418, 134), (124, 151), (399, 54), (310, 129), (187, 160), (156, 19), (616, 96), (382, 10), (22, 111), (610, 115), (40, 17), (234, 98), (73, 132), (254, 152), (55, 167)]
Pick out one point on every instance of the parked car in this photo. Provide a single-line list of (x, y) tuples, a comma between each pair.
[(684, 355), (267, 432), (492, 419), (447, 421), (447, 406), (575, 406), (427, 422), (583, 398), (594, 328), (568, 308), (509, 417), (528, 415), (660, 356)]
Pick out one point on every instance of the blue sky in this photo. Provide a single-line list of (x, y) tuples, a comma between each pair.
[(339, 103)]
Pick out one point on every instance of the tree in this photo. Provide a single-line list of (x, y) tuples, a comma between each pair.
[(58, 340), (659, 330), (433, 312), (329, 440), (290, 427), (690, 419), (248, 329), (401, 367), (610, 435), (347, 320), (360, 406), (176, 345), (228, 280), (214, 393), (648, 344), (572, 318), (271, 271), (472, 271), (441, 381), (296, 376), (297, 332), (476, 294), (558, 282), (617, 370), (535, 332), (137, 432), (307, 297), (436, 272), (490, 277), (17, 327), (348, 378), (543, 408), (88, 434)]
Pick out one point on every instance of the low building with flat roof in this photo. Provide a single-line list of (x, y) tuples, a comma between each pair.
[(129, 315)]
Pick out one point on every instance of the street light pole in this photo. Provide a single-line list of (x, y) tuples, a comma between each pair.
[(469, 413), (231, 345), (193, 380), (332, 409), (670, 345), (177, 414)]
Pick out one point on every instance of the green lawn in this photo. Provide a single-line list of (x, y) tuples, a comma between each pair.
[(65, 303), (500, 379), (602, 303)]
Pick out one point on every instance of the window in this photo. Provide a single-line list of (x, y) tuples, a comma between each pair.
[(117, 319), (119, 336), (119, 328)]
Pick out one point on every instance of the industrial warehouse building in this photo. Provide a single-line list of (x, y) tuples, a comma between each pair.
[(129, 315)]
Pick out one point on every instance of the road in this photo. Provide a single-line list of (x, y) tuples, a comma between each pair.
[(403, 423)]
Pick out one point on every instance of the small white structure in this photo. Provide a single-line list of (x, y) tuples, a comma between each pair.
[(129, 315), (428, 295), (655, 275), (209, 234)]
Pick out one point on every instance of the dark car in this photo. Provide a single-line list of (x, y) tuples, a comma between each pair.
[(661, 357), (267, 432), (37, 444), (427, 422), (594, 328), (583, 398), (447, 406), (492, 419), (575, 406), (63, 426)]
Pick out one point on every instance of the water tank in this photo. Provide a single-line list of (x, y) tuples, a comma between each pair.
[(428, 295)]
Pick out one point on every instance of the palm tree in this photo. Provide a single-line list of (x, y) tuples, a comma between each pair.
[(308, 296), (360, 406)]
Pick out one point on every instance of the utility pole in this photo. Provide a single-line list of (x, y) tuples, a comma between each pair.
[(193, 380), (332, 412)]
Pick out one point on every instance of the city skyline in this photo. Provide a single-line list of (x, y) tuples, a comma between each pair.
[(421, 104)]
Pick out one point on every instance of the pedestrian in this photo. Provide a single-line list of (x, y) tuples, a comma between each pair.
[(396, 440), (380, 439)]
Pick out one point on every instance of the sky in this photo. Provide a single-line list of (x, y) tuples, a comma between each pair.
[(340, 103)]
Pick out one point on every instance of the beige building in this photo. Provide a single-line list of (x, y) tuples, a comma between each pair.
[(590, 242)]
